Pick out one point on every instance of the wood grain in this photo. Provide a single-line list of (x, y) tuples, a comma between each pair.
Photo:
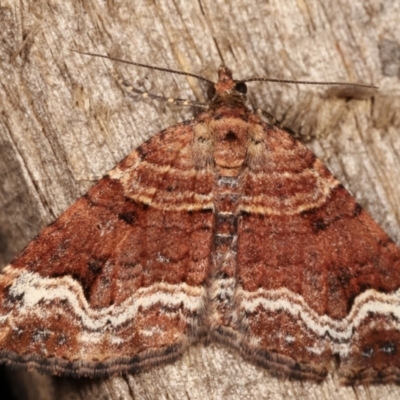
[(65, 122)]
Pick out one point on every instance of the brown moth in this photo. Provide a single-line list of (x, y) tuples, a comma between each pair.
[(224, 226)]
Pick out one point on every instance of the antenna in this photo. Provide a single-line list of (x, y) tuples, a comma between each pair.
[(310, 82), (173, 71)]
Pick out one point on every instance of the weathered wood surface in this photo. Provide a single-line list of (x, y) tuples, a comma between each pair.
[(65, 122)]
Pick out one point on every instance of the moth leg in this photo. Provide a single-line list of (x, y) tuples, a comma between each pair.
[(176, 101), (272, 120), (269, 117)]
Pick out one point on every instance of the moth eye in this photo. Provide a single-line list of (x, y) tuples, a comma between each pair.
[(241, 87), (210, 92)]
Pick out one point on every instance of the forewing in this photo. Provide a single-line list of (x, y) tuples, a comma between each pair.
[(316, 275), (116, 283)]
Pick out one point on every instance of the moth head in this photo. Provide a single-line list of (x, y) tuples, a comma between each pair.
[(226, 89)]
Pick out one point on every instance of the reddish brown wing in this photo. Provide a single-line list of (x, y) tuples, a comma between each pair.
[(116, 283), (316, 275)]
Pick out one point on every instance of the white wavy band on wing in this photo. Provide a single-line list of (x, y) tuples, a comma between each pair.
[(365, 304), (37, 291)]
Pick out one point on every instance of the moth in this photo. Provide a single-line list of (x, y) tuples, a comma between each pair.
[(224, 227)]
